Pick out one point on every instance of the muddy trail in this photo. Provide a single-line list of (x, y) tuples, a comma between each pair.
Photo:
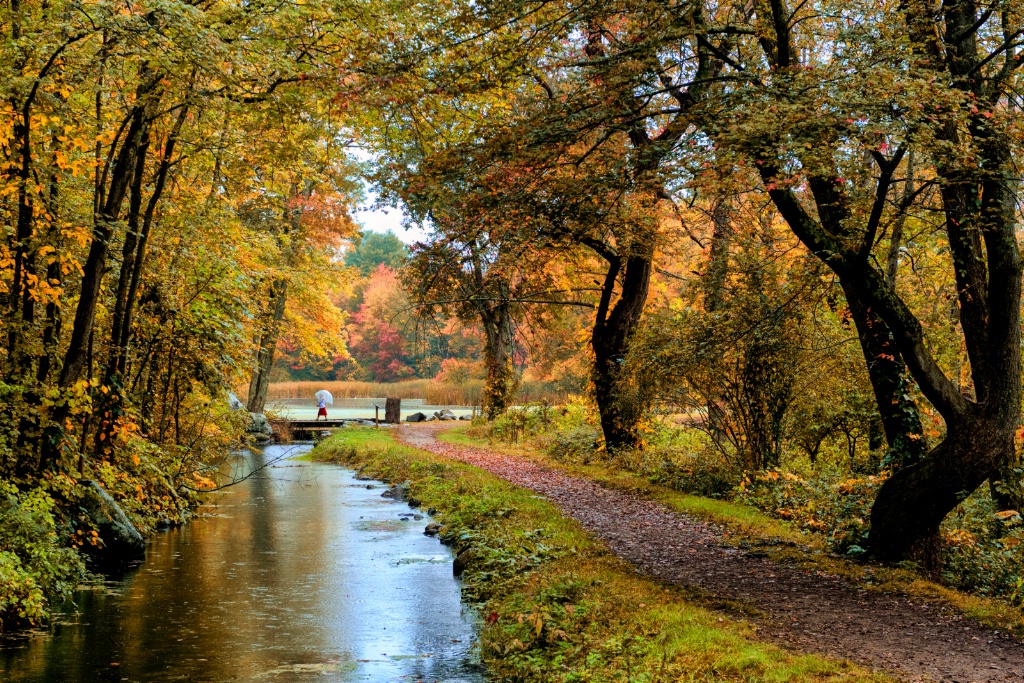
[(805, 611)]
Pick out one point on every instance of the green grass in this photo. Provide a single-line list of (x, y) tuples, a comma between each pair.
[(742, 519), (557, 606), (781, 540)]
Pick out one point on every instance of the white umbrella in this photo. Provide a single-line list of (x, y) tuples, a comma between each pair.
[(326, 396)]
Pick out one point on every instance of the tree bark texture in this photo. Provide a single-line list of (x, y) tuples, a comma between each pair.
[(612, 329), (714, 296), (887, 372), (501, 384), (120, 178), (266, 348)]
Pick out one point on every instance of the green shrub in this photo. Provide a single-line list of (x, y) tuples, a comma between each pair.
[(837, 507), (579, 445), (983, 549), (523, 422), (702, 473), (36, 569)]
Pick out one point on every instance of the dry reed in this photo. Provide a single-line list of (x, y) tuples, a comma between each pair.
[(432, 392)]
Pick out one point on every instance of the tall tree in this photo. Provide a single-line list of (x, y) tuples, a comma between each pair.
[(824, 110), (372, 249)]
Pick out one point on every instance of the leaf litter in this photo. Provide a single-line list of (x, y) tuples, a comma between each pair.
[(803, 610)]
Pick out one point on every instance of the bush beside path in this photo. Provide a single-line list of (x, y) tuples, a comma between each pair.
[(803, 609)]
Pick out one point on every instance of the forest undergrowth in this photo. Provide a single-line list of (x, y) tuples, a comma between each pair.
[(556, 604), (49, 544), (823, 506)]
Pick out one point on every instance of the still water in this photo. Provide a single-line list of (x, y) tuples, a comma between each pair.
[(300, 573)]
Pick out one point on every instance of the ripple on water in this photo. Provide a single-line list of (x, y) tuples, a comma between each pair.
[(310, 577)]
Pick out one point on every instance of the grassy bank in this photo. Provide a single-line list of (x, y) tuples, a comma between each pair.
[(557, 605), (747, 526)]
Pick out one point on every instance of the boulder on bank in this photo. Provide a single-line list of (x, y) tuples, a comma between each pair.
[(259, 427), (465, 417), (445, 415), (462, 561), (122, 542), (397, 492), (432, 529), (416, 417)]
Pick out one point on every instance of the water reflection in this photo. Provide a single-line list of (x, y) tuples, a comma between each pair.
[(301, 574)]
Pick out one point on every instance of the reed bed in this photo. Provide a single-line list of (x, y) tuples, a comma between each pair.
[(431, 391)]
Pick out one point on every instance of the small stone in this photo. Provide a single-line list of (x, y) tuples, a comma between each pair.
[(462, 561), (397, 492), (432, 529)]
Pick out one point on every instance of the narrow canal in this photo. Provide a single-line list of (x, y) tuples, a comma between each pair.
[(301, 573)]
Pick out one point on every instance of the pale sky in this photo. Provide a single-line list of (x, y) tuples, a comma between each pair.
[(381, 219), (384, 219)]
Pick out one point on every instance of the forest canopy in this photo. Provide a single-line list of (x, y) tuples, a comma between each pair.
[(739, 239)]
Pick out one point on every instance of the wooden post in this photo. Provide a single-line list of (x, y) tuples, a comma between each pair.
[(393, 410), (376, 415)]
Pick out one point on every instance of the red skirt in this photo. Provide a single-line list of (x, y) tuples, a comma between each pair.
[(323, 411)]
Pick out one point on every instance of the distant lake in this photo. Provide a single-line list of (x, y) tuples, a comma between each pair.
[(303, 409)]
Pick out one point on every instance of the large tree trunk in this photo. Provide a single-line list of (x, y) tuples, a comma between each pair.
[(109, 205), (900, 418), (501, 384), (911, 505), (979, 207), (609, 341), (979, 434), (980, 210), (714, 296), (22, 314), (266, 348), (95, 265), (109, 407), (133, 254)]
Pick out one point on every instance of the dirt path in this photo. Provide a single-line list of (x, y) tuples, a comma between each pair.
[(806, 611)]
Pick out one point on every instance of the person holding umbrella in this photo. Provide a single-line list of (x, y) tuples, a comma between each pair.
[(323, 398)]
